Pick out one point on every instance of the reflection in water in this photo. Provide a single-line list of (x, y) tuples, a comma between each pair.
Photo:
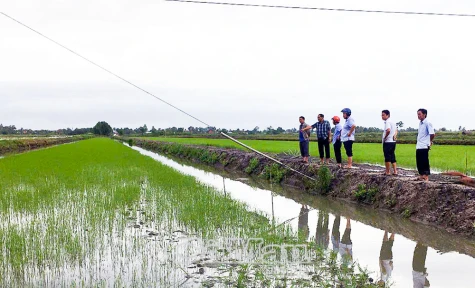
[(303, 229), (224, 186), (346, 246), (386, 265), (419, 271), (336, 234), (322, 236)]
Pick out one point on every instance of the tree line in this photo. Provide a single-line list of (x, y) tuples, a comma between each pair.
[(103, 128)]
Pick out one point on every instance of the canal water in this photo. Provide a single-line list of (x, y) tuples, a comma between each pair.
[(394, 249)]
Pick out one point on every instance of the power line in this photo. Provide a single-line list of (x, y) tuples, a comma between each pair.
[(322, 9), (108, 71), (156, 97)]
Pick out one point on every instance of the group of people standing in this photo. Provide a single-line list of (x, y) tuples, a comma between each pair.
[(344, 135)]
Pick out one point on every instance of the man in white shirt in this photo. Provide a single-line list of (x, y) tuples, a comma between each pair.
[(425, 136), (419, 271), (348, 135), (389, 143)]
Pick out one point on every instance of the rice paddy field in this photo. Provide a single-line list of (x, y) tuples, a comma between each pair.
[(96, 213), (442, 157)]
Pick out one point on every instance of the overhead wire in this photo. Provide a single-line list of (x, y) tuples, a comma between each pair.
[(156, 97), (101, 67), (323, 9)]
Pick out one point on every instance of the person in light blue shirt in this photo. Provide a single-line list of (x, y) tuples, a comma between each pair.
[(337, 139), (348, 135), (425, 136)]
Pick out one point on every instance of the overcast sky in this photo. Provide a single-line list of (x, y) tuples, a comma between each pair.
[(235, 67)]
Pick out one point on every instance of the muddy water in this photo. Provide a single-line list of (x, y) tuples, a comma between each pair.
[(406, 254)]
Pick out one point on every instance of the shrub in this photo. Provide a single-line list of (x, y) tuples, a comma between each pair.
[(406, 213), (324, 180), (274, 173), (364, 194), (253, 163)]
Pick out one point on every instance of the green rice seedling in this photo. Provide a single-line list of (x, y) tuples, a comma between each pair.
[(68, 210), (442, 156)]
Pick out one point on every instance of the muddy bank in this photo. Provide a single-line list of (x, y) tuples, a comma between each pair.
[(23, 145), (441, 202)]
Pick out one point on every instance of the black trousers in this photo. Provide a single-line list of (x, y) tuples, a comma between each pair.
[(389, 149), (348, 148), (420, 255), (337, 149), (324, 144), (346, 239), (422, 161)]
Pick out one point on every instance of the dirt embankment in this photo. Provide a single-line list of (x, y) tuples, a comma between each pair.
[(441, 202), (23, 145)]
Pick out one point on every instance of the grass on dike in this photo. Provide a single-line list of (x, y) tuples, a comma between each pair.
[(67, 208), (442, 157)]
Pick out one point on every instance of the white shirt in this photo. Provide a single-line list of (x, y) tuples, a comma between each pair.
[(346, 128), (389, 125), (423, 137), (388, 268), (418, 279)]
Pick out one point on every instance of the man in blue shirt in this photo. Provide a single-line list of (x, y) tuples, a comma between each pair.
[(424, 141), (304, 138), (348, 135), (337, 139)]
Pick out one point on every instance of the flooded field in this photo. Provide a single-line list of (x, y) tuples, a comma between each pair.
[(98, 214), (423, 256)]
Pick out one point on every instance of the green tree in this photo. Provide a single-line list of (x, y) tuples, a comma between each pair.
[(143, 129), (102, 128)]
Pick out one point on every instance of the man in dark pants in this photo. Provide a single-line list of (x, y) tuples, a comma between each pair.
[(336, 140), (386, 258), (346, 245), (336, 234), (348, 135), (389, 143), (303, 223), (323, 137), (419, 271), (425, 137), (322, 235), (304, 138)]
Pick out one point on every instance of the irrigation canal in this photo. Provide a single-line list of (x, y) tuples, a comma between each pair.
[(421, 255)]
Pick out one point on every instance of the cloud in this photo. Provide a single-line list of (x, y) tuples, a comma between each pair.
[(234, 66)]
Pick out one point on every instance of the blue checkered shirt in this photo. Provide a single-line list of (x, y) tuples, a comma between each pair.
[(322, 129)]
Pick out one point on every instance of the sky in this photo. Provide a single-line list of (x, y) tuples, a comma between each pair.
[(235, 67)]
